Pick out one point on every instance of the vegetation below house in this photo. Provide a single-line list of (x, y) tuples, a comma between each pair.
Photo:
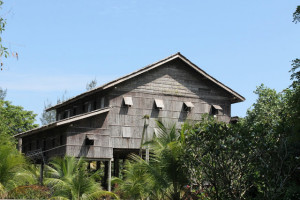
[(256, 158)]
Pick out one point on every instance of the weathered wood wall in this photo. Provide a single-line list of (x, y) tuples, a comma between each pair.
[(52, 142), (121, 128), (174, 83), (95, 126)]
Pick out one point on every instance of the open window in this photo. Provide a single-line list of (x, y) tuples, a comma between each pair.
[(188, 106), (90, 140), (215, 109), (37, 144), (59, 116), (102, 102), (87, 107), (159, 104), (128, 101), (75, 110)]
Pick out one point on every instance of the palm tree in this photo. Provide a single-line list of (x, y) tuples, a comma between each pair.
[(69, 179), (164, 176), (12, 166)]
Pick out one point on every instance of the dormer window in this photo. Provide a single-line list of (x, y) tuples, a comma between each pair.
[(188, 106), (215, 109), (159, 104), (128, 101)]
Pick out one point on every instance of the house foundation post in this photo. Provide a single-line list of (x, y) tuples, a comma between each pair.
[(42, 173), (116, 167), (104, 183), (20, 144), (109, 175)]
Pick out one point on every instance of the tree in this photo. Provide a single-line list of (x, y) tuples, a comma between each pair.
[(218, 158), (296, 15), (271, 122), (91, 85), (2, 93), (48, 117), (164, 177), (14, 119), (12, 165), (69, 179), (3, 50)]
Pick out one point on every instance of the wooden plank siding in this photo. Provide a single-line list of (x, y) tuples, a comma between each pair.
[(173, 82)]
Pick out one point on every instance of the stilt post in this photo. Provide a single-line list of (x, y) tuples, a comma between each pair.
[(109, 175)]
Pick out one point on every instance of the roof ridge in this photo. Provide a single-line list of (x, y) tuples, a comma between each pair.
[(110, 82), (145, 69)]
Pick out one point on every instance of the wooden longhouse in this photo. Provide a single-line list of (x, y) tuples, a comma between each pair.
[(106, 123)]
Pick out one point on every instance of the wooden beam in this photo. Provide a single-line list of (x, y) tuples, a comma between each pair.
[(109, 175)]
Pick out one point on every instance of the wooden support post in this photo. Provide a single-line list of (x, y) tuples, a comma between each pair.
[(98, 165), (42, 173), (105, 175), (109, 175), (89, 166), (147, 147), (116, 167), (20, 144)]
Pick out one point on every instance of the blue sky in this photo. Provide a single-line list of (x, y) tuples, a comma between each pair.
[(62, 45)]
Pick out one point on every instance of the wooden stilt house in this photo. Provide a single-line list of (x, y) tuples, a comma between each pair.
[(106, 123)]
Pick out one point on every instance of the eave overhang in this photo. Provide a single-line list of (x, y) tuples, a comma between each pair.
[(236, 96), (63, 122)]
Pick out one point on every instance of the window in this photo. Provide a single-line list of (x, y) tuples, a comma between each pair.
[(95, 105), (75, 110), (67, 114), (128, 101), (53, 142), (59, 116), (126, 132), (102, 102), (188, 106), (37, 144), (61, 140), (44, 144), (87, 107), (159, 103), (215, 109), (89, 140)]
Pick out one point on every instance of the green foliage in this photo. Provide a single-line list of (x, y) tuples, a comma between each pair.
[(271, 123), (218, 158), (2, 93), (136, 183), (30, 192), (48, 117), (3, 49), (296, 15), (164, 177), (13, 172), (68, 178), (91, 85), (14, 119)]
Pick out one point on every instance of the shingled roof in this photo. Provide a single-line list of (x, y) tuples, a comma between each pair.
[(178, 55)]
